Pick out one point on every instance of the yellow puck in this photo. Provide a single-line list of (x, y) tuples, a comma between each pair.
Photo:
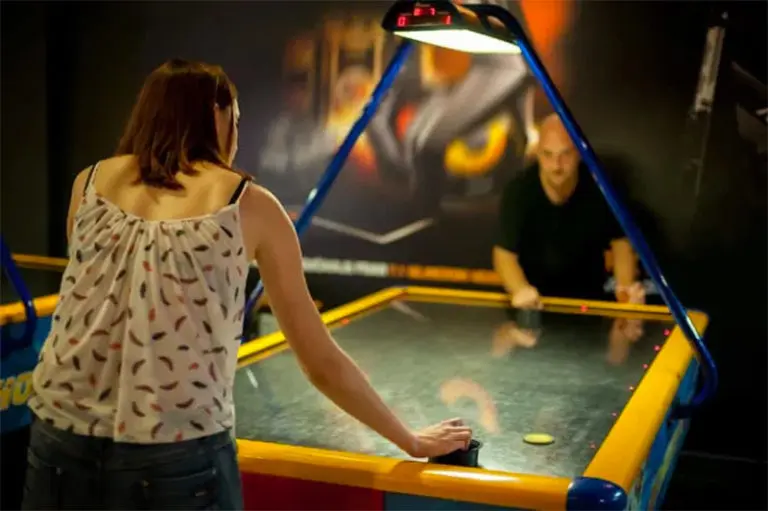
[(538, 439)]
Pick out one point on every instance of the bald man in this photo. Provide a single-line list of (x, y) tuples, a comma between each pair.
[(556, 227)]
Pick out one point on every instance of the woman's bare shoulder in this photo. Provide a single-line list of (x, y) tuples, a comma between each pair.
[(259, 199), (120, 159), (264, 218), (117, 163)]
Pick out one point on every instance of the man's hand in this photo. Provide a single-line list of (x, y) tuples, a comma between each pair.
[(527, 298), (634, 293)]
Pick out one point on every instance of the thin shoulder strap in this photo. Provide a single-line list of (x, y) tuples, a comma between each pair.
[(240, 190), (91, 176)]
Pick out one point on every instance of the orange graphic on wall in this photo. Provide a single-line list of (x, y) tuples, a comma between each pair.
[(352, 63), (548, 21)]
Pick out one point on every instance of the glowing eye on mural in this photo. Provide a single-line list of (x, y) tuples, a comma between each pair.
[(463, 158)]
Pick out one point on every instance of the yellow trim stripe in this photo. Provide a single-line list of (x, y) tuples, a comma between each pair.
[(258, 357), (410, 477), (546, 301), (561, 305), (44, 305), (607, 313), (14, 312), (458, 294), (256, 346), (40, 262), (625, 449)]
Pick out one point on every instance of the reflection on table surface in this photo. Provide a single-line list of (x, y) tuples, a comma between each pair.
[(267, 323), (569, 377), (40, 282)]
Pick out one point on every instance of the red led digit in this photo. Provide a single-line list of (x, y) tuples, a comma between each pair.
[(401, 21), (418, 11), (447, 20)]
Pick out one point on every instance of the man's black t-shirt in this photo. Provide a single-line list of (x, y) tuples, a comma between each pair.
[(560, 247)]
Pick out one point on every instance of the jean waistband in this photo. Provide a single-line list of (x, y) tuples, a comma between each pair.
[(123, 455)]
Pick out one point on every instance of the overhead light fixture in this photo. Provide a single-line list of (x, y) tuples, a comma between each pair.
[(451, 26)]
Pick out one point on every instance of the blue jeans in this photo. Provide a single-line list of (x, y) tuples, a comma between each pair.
[(69, 471)]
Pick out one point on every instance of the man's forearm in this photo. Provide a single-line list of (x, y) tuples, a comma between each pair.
[(625, 267), (508, 268)]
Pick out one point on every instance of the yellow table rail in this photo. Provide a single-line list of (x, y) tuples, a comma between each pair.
[(410, 477)]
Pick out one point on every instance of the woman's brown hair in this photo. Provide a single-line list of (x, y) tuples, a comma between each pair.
[(173, 125)]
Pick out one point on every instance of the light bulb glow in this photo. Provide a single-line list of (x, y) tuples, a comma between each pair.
[(460, 40)]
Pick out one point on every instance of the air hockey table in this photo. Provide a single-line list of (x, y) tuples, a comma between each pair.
[(604, 398)]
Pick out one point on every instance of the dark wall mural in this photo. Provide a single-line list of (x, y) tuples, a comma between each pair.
[(449, 135)]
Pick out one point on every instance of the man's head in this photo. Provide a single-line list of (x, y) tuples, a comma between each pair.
[(558, 157)]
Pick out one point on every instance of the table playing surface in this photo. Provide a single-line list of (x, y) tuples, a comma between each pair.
[(564, 375)]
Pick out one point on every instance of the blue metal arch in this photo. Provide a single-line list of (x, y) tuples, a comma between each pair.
[(9, 343)]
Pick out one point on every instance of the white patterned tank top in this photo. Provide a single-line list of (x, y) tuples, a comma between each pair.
[(144, 339)]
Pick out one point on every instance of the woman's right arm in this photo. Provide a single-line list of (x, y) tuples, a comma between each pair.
[(329, 369)]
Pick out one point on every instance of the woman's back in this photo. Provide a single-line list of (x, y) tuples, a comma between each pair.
[(149, 357), (203, 194)]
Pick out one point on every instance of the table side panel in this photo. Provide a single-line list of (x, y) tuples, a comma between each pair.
[(645, 413)]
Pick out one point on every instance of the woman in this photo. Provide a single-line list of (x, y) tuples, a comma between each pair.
[(133, 391)]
